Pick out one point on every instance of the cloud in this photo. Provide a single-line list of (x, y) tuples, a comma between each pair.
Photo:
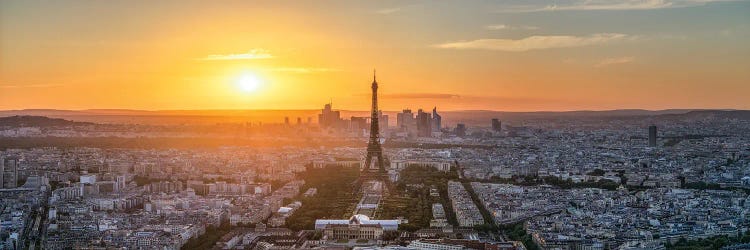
[(250, 55), (18, 86), (419, 96), (611, 5), (303, 70), (615, 60), (388, 11), (509, 27), (536, 42)]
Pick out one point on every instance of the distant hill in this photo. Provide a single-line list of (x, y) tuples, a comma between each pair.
[(37, 121), (712, 114)]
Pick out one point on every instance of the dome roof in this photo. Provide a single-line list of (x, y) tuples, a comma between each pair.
[(358, 218)]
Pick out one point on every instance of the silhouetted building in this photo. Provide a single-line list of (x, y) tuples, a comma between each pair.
[(358, 123), (437, 120), (496, 125), (405, 121), (299, 120), (652, 136), (424, 124), (286, 120), (329, 118), (460, 130), (383, 121), (8, 172)]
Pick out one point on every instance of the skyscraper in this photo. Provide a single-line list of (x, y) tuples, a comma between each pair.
[(652, 136), (329, 118), (358, 123), (383, 122), (374, 150), (496, 125), (424, 124), (437, 120), (405, 121)]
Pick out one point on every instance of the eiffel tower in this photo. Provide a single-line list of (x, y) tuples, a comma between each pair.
[(374, 168)]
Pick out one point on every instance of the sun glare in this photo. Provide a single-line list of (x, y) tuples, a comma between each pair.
[(248, 83)]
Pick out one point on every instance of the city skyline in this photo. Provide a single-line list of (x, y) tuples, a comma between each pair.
[(490, 125), (511, 56)]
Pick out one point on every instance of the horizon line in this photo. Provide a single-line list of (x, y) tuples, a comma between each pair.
[(350, 110)]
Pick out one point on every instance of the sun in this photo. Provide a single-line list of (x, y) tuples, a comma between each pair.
[(248, 83)]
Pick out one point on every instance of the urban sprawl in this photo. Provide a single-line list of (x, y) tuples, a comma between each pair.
[(574, 181)]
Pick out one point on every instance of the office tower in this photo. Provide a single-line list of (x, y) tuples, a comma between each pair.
[(405, 120), (357, 123), (460, 130), (329, 118), (424, 124), (652, 136), (437, 120), (383, 121), (299, 120), (374, 150), (286, 120), (496, 125), (8, 172)]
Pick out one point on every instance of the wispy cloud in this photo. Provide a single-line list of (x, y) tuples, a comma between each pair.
[(434, 96), (509, 27), (419, 96), (18, 86), (250, 55), (388, 11), (304, 70), (615, 60), (537, 42), (610, 5)]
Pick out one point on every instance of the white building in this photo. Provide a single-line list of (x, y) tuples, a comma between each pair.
[(433, 246), (88, 179), (388, 225)]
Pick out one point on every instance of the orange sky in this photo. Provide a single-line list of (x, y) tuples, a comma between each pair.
[(453, 55)]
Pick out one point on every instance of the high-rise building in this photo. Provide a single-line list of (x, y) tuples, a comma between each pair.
[(286, 120), (652, 136), (405, 120), (437, 120), (299, 120), (424, 124), (358, 123), (496, 125), (329, 118), (460, 130), (8, 172), (383, 121)]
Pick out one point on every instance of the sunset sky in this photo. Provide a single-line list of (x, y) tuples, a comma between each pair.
[(456, 55)]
